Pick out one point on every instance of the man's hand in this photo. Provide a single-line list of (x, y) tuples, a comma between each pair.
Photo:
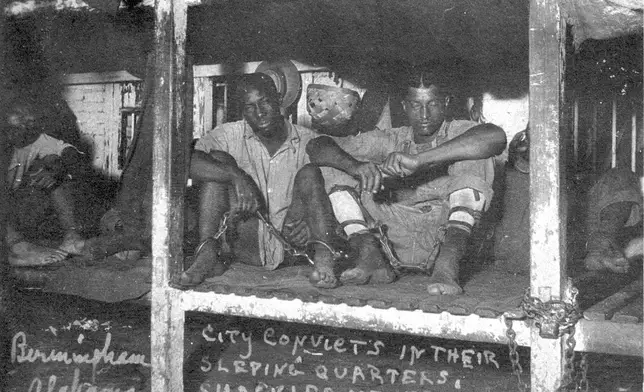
[(399, 164), (297, 233), (43, 178), (369, 175), (248, 196)]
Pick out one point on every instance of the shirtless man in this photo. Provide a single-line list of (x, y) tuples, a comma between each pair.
[(260, 164), (38, 161), (442, 172)]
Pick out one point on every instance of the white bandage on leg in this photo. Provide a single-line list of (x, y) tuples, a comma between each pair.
[(465, 206), (347, 211)]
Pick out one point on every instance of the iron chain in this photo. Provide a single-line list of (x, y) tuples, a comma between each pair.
[(554, 318), (517, 369), (223, 227), (582, 383), (291, 250)]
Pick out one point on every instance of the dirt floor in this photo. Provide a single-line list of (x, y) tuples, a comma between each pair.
[(67, 344)]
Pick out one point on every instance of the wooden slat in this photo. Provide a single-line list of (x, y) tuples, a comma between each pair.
[(548, 217), (631, 313), (170, 145), (605, 309)]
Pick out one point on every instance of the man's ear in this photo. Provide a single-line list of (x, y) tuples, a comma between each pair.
[(404, 105), (448, 99)]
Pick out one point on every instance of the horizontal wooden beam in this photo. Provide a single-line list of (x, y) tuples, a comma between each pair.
[(440, 325), (205, 71), (592, 336)]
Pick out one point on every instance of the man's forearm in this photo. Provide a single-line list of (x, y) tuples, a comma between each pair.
[(216, 166), (480, 142), (324, 151)]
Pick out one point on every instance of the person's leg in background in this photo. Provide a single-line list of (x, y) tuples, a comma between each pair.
[(615, 202)]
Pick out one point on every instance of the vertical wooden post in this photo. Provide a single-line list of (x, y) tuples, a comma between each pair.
[(613, 134), (547, 239), (594, 135), (634, 140), (575, 130), (170, 145)]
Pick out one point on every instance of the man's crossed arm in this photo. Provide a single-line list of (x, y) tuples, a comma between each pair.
[(479, 142)]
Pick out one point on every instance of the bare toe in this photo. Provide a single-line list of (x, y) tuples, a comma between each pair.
[(206, 264), (370, 266), (73, 245), (600, 261), (354, 276), (26, 254), (323, 279), (634, 248), (443, 284), (382, 276)]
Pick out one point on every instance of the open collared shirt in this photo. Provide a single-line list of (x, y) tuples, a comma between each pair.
[(274, 175)]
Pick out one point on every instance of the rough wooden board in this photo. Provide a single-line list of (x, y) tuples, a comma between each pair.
[(489, 293), (631, 313), (605, 309), (492, 291)]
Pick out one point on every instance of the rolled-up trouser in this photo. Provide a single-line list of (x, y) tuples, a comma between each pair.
[(415, 225)]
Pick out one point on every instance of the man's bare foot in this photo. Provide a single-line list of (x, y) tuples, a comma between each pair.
[(441, 283), (26, 254), (444, 277), (324, 274), (634, 248), (206, 264), (603, 254), (371, 266), (609, 259), (72, 243)]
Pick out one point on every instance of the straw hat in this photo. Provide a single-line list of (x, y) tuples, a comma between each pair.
[(286, 77)]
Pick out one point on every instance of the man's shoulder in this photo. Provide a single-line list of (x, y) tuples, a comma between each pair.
[(230, 131), (305, 131), (221, 136), (400, 131), (229, 128)]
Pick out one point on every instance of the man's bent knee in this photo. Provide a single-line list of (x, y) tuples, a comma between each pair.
[(308, 176)]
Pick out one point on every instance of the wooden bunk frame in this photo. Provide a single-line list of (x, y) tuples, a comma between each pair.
[(548, 242)]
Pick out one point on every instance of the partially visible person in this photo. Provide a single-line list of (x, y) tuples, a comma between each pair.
[(441, 172), (613, 211), (259, 164), (614, 206), (39, 165)]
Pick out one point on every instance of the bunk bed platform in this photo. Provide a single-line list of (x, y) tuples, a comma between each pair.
[(488, 293)]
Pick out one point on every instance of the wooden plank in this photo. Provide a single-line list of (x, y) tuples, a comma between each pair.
[(608, 337), (170, 143), (548, 217), (208, 70), (631, 313), (613, 134), (605, 309), (202, 107), (375, 316)]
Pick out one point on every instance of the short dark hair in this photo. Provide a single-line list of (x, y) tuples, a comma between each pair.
[(424, 79), (256, 81)]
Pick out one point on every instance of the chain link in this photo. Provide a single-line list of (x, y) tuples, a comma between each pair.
[(291, 250), (223, 226), (517, 369), (554, 318), (569, 362), (582, 383)]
